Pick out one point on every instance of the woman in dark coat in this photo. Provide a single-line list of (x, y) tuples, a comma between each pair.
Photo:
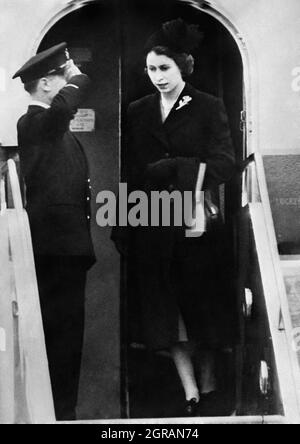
[(169, 134)]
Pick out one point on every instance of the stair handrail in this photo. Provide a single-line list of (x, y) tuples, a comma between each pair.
[(34, 366), (257, 185), (15, 186), (3, 203)]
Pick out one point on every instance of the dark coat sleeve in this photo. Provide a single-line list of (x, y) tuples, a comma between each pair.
[(218, 156), (146, 168)]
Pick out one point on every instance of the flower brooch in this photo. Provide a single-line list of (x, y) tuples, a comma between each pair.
[(184, 101)]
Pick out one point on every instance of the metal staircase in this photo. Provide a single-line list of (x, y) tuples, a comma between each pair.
[(25, 389), (283, 366), (269, 338)]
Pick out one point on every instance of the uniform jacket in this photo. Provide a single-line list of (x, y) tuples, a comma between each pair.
[(55, 170), (196, 132)]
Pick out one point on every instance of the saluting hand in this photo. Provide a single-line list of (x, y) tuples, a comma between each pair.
[(71, 70)]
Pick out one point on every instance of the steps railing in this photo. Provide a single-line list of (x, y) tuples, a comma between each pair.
[(26, 386)]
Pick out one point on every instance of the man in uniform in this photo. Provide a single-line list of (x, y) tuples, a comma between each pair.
[(55, 170)]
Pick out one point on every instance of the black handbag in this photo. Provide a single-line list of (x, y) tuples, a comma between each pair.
[(206, 213), (213, 215)]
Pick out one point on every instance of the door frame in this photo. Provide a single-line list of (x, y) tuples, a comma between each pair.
[(216, 12), (62, 10)]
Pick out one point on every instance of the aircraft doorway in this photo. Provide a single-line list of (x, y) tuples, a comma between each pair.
[(120, 379), (152, 386)]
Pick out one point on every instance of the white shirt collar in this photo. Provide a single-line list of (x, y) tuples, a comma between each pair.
[(38, 103), (169, 104)]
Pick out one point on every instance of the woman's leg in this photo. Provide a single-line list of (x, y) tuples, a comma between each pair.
[(181, 355)]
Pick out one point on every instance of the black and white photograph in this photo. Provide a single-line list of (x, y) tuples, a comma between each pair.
[(149, 214)]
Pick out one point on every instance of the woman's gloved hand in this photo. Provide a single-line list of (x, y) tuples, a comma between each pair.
[(162, 171)]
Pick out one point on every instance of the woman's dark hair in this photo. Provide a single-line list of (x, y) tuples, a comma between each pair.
[(177, 40), (185, 62)]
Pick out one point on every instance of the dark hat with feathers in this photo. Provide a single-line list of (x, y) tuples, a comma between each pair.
[(176, 35)]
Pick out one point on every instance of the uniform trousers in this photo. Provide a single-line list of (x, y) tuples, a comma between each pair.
[(61, 282)]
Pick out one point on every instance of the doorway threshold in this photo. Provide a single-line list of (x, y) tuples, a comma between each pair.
[(192, 421)]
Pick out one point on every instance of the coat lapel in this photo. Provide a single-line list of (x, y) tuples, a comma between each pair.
[(155, 125), (182, 109), (179, 114)]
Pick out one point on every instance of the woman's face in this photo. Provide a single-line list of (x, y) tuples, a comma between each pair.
[(164, 73)]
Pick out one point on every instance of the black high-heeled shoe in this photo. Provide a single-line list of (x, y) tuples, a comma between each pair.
[(191, 407)]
